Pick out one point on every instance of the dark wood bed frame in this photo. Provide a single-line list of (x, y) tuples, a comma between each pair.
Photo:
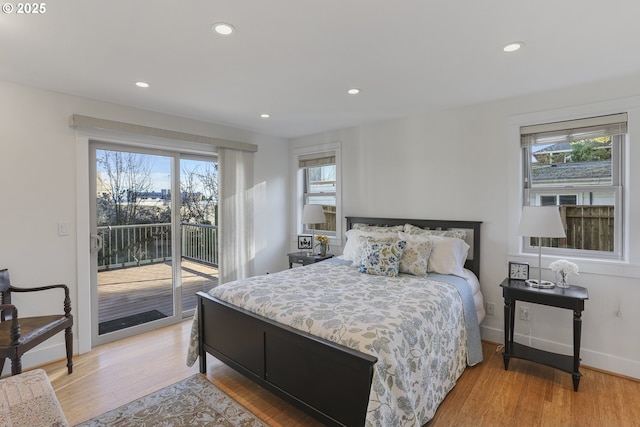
[(325, 379)]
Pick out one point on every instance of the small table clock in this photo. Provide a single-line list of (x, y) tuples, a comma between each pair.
[(518, 270)]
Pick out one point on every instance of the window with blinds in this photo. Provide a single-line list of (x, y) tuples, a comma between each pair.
[(319, 187), (577, 165)]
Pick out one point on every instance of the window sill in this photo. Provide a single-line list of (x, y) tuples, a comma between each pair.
[(616, 268)]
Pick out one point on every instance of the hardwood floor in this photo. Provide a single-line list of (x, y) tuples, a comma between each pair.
[(486, 395), (121, 371)]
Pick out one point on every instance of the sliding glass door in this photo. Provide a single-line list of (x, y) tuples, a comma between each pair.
[(153, 246), (198, 228)]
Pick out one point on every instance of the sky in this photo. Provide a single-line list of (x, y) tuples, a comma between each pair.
[(160, 169)]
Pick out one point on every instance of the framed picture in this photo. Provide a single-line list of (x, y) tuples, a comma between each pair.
[(304, 242)]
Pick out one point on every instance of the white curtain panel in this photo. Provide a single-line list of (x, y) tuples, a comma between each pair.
[(237, 240)]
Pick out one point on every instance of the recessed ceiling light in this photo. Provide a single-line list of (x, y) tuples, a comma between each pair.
[(353, 91), (142, 84), (223, 28), (512, 47), (265, 115)]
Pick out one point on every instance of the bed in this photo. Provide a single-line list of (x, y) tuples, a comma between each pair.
[(348, 347)]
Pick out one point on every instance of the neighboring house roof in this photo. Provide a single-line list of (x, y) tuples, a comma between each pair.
[(556, 148), (571, 172)]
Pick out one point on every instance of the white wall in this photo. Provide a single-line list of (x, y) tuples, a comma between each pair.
[(38, 190), (456, 164), (464, 164)]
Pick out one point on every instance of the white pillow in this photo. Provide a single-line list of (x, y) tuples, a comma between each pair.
[(353, 247), (415, 257), (350, 246), (448, 255)]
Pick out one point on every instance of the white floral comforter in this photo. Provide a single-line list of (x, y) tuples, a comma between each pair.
[(414, 326)]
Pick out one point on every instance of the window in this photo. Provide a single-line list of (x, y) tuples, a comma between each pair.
[(577, 165), (319, 176), (558, 199)]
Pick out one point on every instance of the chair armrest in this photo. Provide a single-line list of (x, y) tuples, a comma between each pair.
[(14, 331), (14, 310), (67, 299), (40, 288)]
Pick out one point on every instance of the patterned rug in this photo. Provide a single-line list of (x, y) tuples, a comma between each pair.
[(191, 402)]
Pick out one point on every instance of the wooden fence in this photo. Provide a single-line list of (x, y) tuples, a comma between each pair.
[(330, 216), (587, 227)]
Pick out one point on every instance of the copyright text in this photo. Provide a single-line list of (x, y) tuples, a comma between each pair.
[(24, 8)]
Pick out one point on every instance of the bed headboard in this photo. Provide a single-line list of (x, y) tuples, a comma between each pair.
[(471, 227)]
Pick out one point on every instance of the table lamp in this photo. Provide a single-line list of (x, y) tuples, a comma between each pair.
[(313, 214), (540, 221)]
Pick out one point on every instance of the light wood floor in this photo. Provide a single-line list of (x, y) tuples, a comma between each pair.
[(486, 395)]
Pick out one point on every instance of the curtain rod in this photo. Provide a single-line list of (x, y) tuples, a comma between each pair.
[(80, 121)]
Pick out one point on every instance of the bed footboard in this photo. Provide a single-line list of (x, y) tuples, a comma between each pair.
[(330, 381)]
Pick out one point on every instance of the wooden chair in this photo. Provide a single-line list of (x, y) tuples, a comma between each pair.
[(19, 335)]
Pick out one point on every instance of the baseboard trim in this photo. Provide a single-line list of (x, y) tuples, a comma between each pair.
[(598, 361)]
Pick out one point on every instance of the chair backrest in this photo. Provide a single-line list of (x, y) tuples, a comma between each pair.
[(5, 293), (4, 280)]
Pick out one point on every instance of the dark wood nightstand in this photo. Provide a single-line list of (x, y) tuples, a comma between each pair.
[(305, 259), (571, 298)]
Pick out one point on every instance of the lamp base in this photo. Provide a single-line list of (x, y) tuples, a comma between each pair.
[(542, 284)]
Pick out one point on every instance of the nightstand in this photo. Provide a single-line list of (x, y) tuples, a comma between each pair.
[(571, 298), (305, 259)]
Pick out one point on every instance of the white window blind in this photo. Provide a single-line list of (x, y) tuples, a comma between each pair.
[(317, 159), (574, 130)]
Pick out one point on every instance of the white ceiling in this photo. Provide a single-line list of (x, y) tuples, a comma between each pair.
[(295, 59)]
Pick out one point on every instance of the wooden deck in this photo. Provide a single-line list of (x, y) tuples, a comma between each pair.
[(136, 290)]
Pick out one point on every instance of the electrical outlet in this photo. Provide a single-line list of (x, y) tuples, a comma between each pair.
[(524, 313), (491, 309)]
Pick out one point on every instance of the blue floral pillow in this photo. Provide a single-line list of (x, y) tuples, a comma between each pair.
[(382, 258)]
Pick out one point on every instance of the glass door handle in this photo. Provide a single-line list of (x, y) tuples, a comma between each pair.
[(96, 243)]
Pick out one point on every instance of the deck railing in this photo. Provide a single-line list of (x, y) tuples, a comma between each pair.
[(200, 243), (134, 245)]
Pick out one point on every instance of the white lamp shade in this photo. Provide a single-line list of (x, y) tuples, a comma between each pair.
[(313, 214), (541, 221)]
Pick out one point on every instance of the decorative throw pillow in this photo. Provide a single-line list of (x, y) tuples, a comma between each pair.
[(415, 257), (415, 230), (378, 228), (360, 239), (382, 258)]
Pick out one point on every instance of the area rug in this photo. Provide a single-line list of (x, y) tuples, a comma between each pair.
[(191, 402), (128, 321)]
